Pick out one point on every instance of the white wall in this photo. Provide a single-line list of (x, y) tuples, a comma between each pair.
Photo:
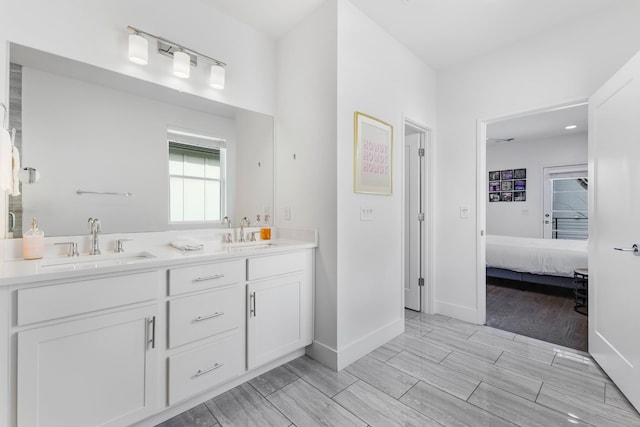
[(95, 32), (324, 76), (526, 218), (380, 77), (556, 67), (306, 128), (86, 136)]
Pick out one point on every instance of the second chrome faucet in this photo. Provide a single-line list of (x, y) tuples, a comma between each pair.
[(94, 229), (244, 221)]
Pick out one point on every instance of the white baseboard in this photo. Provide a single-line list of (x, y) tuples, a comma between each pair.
[(467, 314), (324, 354), (361, 347), (338, 360)]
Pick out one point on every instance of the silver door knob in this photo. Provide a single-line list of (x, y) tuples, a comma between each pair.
[(633, 249)]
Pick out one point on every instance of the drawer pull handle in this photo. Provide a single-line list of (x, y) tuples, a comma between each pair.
[(210, 316), (213, 368), (252, 304), (205, 278)]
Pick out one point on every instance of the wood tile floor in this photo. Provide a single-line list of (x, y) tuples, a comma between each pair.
[(439, 372), (523, 310)]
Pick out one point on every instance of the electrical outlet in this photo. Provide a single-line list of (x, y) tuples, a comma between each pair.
[(366, 213), (287, 213), (464, 212)]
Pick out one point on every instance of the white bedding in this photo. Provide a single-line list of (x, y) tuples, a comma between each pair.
[(538, 256)]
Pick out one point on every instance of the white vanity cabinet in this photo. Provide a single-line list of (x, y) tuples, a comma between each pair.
[(205, 326), (128, 345), (279, 305), (94, 368)]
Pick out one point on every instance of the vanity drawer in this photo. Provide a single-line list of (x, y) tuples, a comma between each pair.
[(275, 265), (194, 371), (201, 277), (68, 299), (194, 317)]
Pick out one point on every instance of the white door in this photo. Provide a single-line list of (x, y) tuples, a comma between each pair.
[(96, 371), (414, 218), (614, 276), (275, 325)]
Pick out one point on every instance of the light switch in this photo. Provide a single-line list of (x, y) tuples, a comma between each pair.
[(464, 212), (366, 213), (287, 213)]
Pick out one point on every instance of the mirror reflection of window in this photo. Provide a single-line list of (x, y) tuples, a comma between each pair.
[(197, 187)]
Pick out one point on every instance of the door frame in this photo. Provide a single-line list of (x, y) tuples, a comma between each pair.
[(427, 303), (482, 194)]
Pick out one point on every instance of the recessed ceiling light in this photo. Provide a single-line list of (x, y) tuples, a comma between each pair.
[(570, 127)]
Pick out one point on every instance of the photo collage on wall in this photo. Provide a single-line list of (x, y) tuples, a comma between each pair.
[(508, 185)]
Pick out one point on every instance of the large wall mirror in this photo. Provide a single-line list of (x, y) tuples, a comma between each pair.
[(130, 152)]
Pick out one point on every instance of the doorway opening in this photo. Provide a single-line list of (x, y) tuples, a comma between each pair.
[(535, 214), (417, 148)]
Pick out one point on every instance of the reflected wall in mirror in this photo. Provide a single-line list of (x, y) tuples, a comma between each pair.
[(86, 128)]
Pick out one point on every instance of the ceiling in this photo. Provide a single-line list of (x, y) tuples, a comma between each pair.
[(441, 32), (539, 126)]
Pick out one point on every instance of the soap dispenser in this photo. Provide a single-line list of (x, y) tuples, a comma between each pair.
[(33, 242), (265, 231)]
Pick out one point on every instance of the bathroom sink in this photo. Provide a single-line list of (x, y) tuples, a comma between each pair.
[(251, 246), (95, 261)]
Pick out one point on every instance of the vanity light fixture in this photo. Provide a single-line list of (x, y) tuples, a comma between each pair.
[(183, 58), (570, 127)]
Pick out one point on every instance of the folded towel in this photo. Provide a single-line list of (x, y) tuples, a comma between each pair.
[(15, 188), (5, 161), (187, 245)]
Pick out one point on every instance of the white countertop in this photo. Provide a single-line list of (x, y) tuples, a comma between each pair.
[(149, 252)]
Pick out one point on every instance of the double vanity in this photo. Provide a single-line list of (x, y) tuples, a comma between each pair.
[(138, 336)]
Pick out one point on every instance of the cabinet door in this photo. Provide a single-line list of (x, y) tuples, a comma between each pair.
[(96, 371), (275, 324)]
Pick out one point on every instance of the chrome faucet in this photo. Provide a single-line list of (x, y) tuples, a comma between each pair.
[(227, 237), (94, 229), (243, 221)]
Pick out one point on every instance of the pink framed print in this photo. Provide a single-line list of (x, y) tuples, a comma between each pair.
[(373, 147)]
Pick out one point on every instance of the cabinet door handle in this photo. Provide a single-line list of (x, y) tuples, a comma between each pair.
[(213, 368), (205, 278), (151, 323), (252, 304), (209, 316)]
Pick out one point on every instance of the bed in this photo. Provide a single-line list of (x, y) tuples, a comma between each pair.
[(542, 261)]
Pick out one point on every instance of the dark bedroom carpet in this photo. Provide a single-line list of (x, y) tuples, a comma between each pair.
[(540, 312)]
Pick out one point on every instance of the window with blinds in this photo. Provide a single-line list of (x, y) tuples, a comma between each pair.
[(196, 182)]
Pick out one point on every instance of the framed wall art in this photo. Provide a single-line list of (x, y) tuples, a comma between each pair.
[(508, 185), (373, 146)]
